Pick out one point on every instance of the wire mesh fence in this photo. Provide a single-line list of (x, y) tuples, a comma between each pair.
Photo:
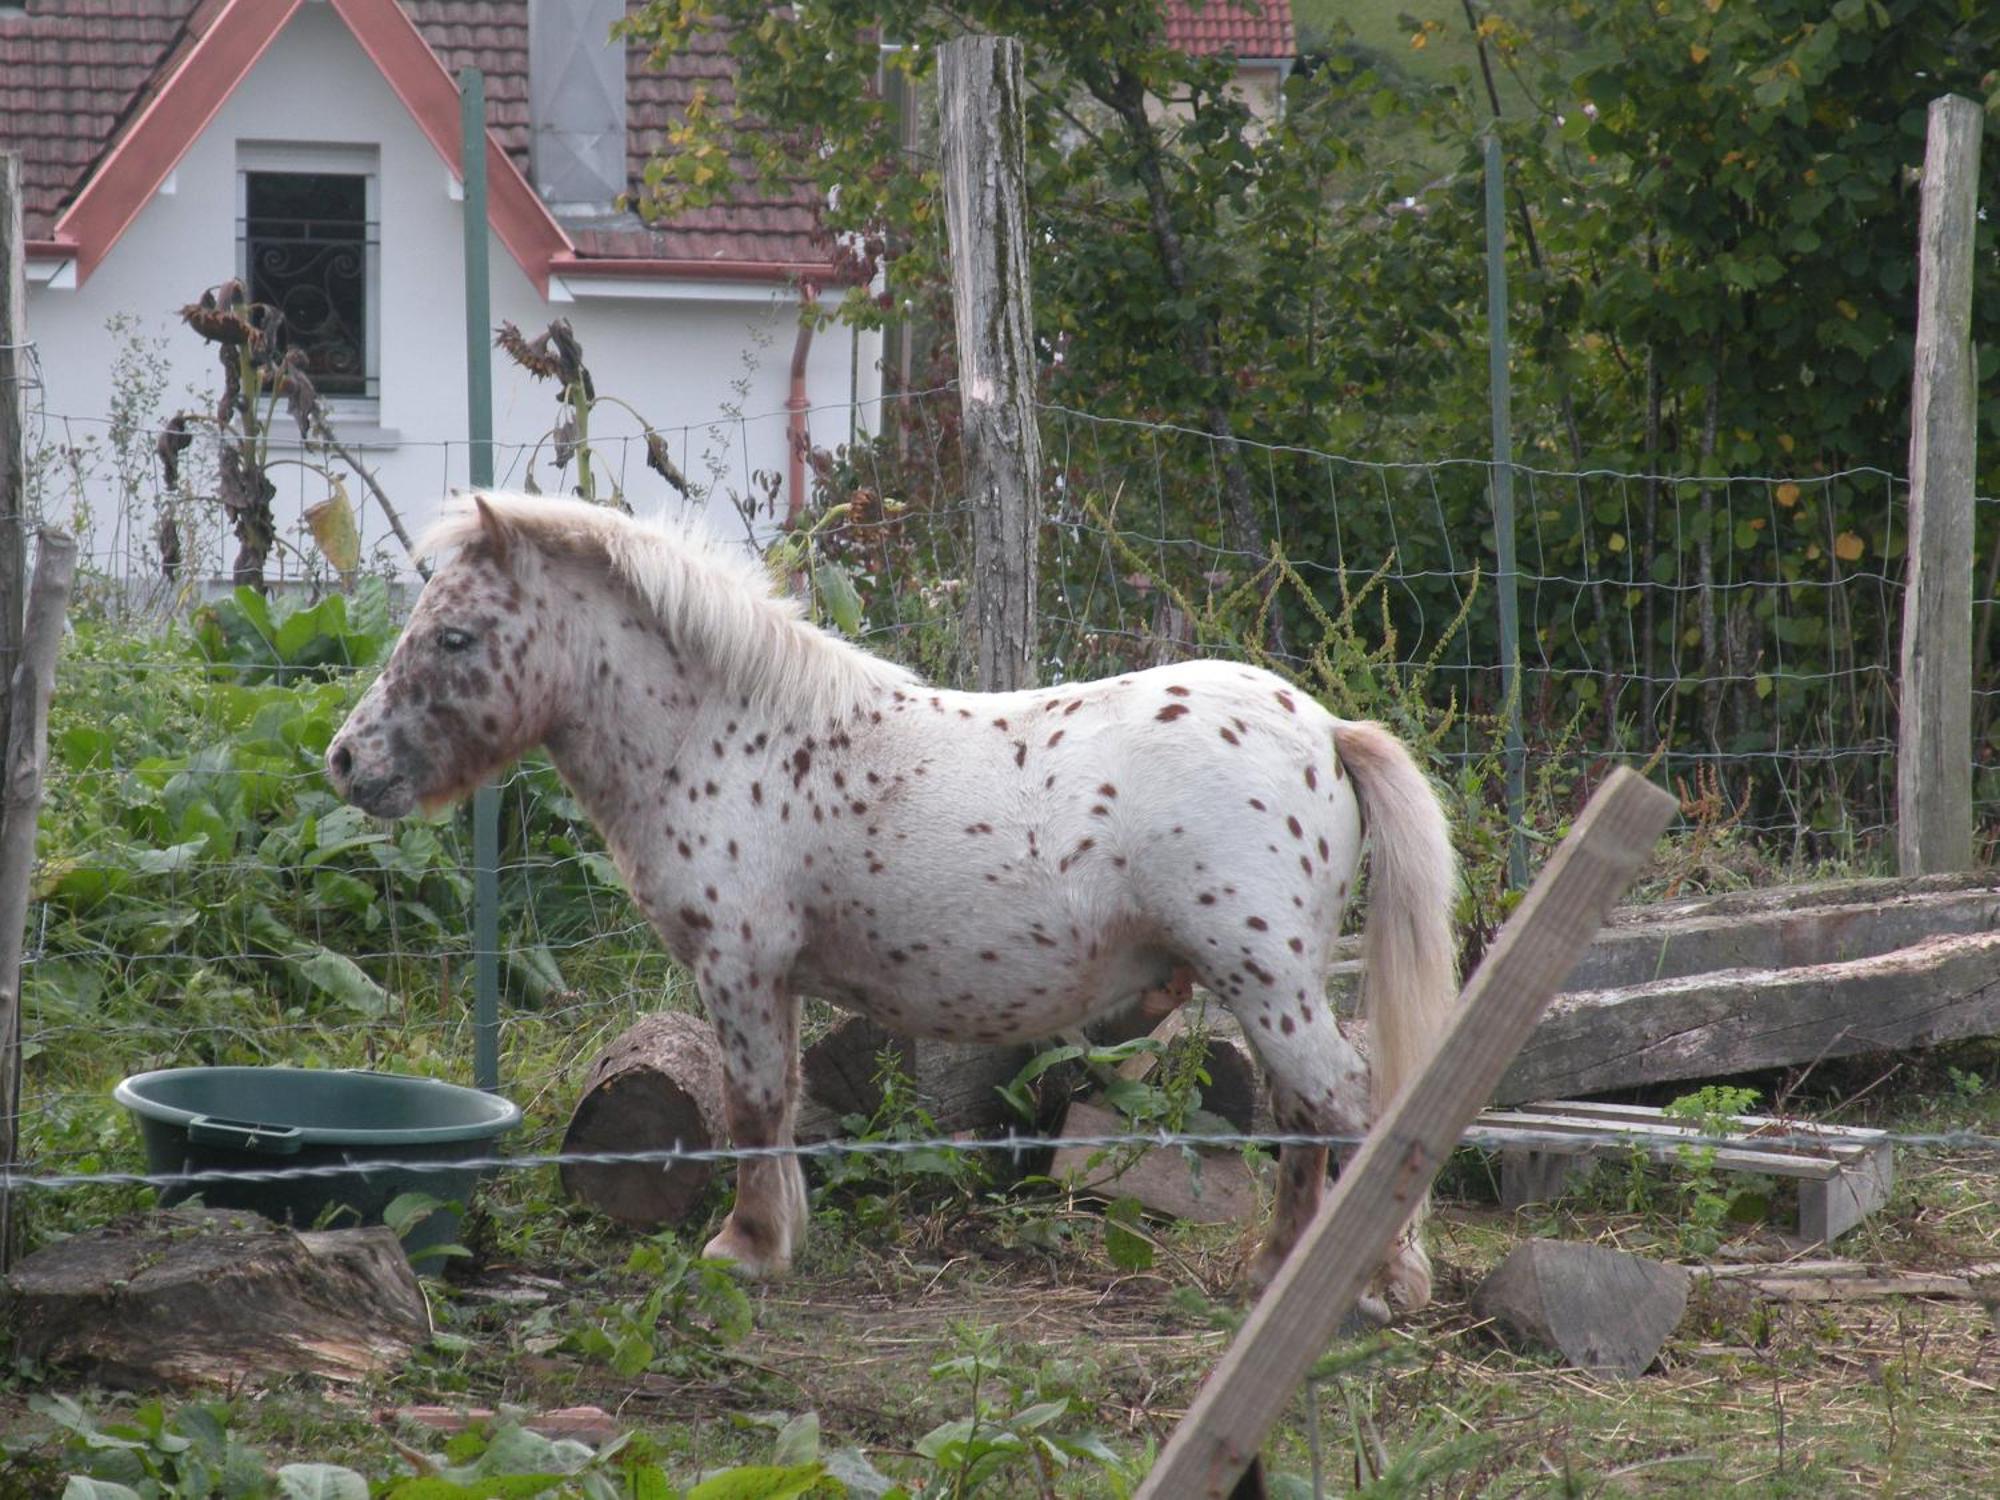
[(204, 898)]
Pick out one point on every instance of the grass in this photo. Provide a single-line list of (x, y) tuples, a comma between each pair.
[(1778, 1399)]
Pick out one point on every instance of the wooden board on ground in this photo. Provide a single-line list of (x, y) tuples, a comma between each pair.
[(1603, 1310), (1709, 1025), (1853, 1280), (1843, 1174), (655, 1088), (217, 1297)]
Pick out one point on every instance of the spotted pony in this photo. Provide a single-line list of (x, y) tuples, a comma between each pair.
[(797, 816)]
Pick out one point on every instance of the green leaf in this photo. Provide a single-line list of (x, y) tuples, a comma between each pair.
[(798, 1441), (321, 1482), (836, 593), (1129, 1250), (82, 1487), (760, 1482), (340, 978)]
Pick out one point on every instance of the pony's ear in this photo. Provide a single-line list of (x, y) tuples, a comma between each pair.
[(498, 532)]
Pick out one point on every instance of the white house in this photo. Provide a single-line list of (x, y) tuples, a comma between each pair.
[(311, 148)]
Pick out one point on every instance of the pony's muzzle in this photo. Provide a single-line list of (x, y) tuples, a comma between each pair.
[(386, 794)]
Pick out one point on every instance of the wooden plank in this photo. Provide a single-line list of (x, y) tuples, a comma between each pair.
[(1850, 1280), (1827, 1137), (1829, 1208), (1782, 927), (1368, 1207), (983, 133), (1934, 727), (1707, 1026)]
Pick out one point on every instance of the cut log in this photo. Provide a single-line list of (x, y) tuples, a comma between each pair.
[(1712, 1025), (1201, 1186), (1602, 1310), (212, 1297), (955, 1083), (657, 1087)]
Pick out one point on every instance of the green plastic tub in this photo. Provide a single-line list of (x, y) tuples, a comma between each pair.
[(234, 1119)]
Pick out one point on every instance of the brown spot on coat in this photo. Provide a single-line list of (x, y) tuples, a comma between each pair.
[(1171, 712)]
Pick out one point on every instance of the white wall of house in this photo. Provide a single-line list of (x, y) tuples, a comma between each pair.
[(707, 363)]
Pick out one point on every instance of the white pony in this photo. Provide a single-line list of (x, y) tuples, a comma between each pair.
[(797, 816)]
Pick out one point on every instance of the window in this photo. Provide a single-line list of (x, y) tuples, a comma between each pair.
[(308, 244)]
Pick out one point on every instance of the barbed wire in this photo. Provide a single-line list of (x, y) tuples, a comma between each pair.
[(1801, 1141)]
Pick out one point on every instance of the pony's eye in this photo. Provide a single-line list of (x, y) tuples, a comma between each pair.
[(451, 638)]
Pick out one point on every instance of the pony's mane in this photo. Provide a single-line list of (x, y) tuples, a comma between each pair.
[(716, 602)]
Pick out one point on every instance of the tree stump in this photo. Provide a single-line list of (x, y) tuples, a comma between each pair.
[(1603, 1310), (210, 1297), (658, 1086)]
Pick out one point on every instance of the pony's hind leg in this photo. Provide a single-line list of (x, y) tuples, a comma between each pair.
[(1319, 1086), (760, 1050)]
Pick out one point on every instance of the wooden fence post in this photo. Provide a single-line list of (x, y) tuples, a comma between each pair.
[(1934, 727), (15, 370), (1290, 1326), (33, 682), (983, 132)]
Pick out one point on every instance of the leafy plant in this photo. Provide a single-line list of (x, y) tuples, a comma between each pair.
[(1702, 1207), (283, 643), (879, 1190), (1012, 1432), (695, 1309), (189, 1455)]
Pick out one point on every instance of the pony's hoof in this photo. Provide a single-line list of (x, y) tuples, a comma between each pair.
[(745, 1257), (1405, 1282), (1263, 1270), (1368, 1314)]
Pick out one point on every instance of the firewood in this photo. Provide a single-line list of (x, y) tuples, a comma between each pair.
[(657, 1087)]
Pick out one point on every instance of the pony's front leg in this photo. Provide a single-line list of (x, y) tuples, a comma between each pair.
[(759, 1031)]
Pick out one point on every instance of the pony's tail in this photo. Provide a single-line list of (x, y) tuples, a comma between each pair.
[(1409, 962)]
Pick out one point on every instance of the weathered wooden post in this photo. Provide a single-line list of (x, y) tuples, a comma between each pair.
[(1289, 1328), (1934, 728), (983, 136), (32, 684), (15, 368)]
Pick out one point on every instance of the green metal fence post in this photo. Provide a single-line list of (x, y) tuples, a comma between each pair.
[(1508, 578), (479, 430)]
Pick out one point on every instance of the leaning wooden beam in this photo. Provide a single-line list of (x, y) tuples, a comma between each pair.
[(1356, 1226), (21, 800)]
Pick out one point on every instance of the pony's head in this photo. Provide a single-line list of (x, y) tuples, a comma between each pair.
[(467, 688)]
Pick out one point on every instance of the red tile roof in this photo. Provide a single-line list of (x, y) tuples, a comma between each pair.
[(72, 72), (75, 73), (1246, 29), (759, 224)]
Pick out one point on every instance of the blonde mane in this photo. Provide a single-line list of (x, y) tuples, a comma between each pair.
[(716, 602)]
